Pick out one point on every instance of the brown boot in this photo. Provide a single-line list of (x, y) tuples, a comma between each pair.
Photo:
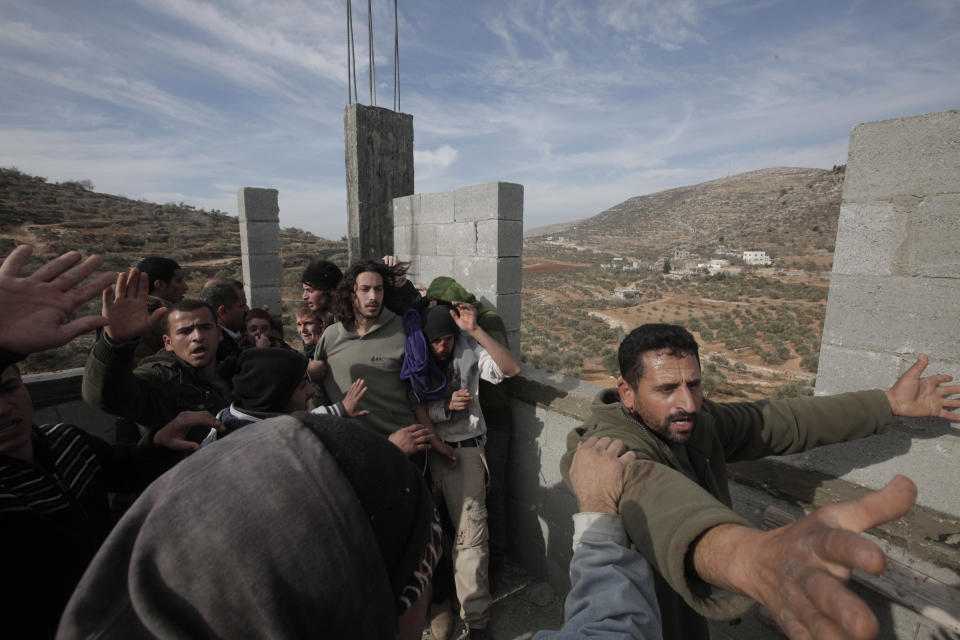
[(441, 620)]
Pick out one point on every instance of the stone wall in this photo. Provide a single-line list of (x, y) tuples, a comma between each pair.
[(473, 234), (895, 293)]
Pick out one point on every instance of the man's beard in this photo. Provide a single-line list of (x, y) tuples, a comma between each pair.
[(667, 430)]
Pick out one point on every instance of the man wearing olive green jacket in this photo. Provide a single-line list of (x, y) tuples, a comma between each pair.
[(676, 505)]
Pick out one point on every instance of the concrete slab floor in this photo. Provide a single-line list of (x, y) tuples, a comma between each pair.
[(523, 605)]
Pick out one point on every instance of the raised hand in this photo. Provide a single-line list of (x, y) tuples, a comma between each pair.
[(34, 309), (465, 315), (125, 307)]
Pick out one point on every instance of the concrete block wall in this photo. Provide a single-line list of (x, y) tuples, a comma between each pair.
[(473, 234), (260, 247), (895, 293)]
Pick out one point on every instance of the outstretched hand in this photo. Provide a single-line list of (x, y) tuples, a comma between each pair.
[(914, 397), (34, 309), (173, 435), (352, 399), (799, 571), (125, 307), (598, 474)]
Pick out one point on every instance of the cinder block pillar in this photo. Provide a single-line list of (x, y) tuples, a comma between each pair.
[(473, 234), (895, 293), (260, 247), (379, 158)]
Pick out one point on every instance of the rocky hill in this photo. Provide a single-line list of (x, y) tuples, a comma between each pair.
[(787, 211), (71, 215)]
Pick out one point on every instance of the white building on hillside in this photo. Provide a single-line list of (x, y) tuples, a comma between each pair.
[(756, 257)]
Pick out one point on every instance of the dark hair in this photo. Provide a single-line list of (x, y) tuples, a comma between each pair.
[(186, 305), (156, 268), (343, 296), (672, 338), (236, 284), (220, 294), (306, 311)]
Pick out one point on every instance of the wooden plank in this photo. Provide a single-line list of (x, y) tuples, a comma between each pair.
[(899, 583)]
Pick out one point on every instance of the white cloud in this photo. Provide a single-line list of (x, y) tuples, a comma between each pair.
[(434, 161)]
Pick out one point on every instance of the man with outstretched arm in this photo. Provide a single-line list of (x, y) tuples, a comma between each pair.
[(677, 506), (55, 478), (181, 377)]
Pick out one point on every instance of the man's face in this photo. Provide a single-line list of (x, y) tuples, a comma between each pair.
[(668, 396), (318, 299), (16, 412), (442, 347), (232, 317), (300, 400), (193, 336), (368, 295), (308, 329), (242, 297), (174, 290)]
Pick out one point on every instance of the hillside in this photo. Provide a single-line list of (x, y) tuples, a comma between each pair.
[(789, 212), (71, 215)]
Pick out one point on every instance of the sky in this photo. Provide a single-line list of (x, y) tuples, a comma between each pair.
[(584, 102)]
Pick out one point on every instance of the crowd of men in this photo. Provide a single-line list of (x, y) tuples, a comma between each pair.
[(309, 491)]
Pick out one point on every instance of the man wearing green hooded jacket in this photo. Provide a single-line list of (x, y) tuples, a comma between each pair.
[(495, 405)]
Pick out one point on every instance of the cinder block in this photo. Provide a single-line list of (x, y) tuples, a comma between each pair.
[(868, 239), (509, 275), (508, 306), (405, 209), (262, 271), (935, 250), (499, 238), (458, 239), (413, 270), (843, 369), (894, 314), (436, 207), (403, 241), (260, 297), (258, 204), (915, 155), (513, 336), (511, 201), (260, 238), (478, 202), (433, 266), (425, 239)]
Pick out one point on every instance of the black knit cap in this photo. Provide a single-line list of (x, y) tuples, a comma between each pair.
[(266, 377), (321, 274), (437, 322)]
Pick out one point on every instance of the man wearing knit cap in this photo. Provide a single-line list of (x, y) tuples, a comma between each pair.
[(319, 280), (270, 381), (465, 353)]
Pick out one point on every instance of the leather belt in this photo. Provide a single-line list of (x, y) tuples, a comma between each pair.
[(476, 441)]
